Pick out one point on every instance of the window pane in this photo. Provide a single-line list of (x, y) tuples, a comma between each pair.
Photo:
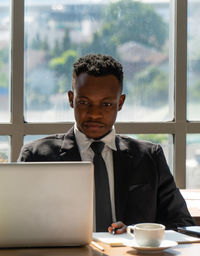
[(193, 161), (4, 60), (166, 142), (30, 138), (193, 60), (58, 32), (4, 149)]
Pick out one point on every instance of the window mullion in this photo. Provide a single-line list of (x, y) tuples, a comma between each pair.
[(180, 76), (17, 76)]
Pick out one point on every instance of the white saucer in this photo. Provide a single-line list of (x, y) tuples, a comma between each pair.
[(144, 249)]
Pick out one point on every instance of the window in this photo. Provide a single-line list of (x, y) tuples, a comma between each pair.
[(57, 33), (193, 161), (150, 39), (4, 61), (4, 149), (193, 66)]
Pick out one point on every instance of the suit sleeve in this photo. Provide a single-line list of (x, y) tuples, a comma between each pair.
[(25, 154), (171, 209), (42, 150)]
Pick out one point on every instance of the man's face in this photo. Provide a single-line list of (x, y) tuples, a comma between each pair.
[(96, 101)]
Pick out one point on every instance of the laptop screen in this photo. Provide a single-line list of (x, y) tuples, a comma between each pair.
[(46, 204)]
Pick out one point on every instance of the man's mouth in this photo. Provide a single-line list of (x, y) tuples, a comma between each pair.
[(93, 125)]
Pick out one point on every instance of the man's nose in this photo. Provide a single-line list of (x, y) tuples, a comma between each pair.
[(95, 111)]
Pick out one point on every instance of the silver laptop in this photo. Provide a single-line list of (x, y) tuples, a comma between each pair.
[(46, 204)]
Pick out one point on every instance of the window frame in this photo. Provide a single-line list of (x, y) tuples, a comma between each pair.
[(179, 127)]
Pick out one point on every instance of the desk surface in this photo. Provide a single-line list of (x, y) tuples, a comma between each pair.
[(192, 198), (180, 250)]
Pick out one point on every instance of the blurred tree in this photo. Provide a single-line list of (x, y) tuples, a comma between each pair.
[(128, 20), (36, 42), (150, 87), (39, 44), (4, 58), (155, 138), (63, 66), (56, 51), (62, 46), (44, 44), (66, 42), (122, 21), (131, 20), (103, 42), (3, 79)]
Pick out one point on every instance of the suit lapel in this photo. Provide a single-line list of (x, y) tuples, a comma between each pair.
[(69, 150), (122, 161)]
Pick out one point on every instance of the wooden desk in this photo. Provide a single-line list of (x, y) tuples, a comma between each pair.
[(192, 198), (180, 250)]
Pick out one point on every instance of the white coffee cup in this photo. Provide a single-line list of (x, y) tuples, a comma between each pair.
[(147, 234)]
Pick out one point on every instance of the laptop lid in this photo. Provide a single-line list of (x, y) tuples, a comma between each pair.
[(46, 204)]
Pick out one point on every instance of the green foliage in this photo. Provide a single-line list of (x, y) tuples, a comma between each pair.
[(62, 84), (3, 79), (63, 66), (64, 62), (150, 87), (134, 21), (3, 73), (62, 46), (3, 157), (39, 44), (155, 138), (124, 21), (66, 43), (103, 42), (56, 51)]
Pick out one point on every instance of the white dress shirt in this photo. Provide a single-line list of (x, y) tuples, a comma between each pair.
[(87, 154)]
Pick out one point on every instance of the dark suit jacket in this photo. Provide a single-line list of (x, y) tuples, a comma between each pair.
[(145, 190)]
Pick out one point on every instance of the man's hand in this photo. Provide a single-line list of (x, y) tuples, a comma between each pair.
[(118, 227)]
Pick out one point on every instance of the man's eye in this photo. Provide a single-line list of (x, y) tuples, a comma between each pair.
[(107, 104), (82, 102)]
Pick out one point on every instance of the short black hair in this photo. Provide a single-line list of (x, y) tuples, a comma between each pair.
[(99, 65)]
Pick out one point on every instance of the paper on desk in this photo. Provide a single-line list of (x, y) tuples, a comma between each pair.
[(112, 240), (118, 240), (180, 238)]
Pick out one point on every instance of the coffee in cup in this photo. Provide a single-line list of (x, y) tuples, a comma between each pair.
[(147, 234)]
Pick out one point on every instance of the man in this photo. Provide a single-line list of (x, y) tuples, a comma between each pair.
[(141, 187)]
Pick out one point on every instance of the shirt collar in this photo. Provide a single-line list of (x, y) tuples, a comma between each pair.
[(84, 142)]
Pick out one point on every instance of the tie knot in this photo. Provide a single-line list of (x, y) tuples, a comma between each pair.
[(97, 147)]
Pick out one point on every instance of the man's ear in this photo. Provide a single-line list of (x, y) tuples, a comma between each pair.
[(71, 98), (121, 101)]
